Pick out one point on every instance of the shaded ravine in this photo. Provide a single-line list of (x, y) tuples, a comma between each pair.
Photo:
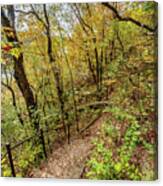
[(68, 161)]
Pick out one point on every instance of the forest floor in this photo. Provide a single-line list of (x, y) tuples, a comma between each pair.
[(68, 161)]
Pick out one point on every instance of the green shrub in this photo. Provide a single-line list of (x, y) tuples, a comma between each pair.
[(109, 161)]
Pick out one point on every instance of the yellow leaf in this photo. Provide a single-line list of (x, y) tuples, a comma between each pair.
[(15, 52)]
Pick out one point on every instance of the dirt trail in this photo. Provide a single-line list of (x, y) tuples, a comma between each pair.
[(68, 160)]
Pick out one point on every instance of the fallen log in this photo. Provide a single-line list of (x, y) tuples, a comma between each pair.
[(90, 123)]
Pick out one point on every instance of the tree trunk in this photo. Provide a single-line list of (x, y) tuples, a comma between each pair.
[(19, 72), (56, 71)]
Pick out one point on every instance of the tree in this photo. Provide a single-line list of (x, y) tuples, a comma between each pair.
[(19, 73)]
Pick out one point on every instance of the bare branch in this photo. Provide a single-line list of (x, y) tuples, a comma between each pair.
[(113, 9), (24, 12), (37, 16)]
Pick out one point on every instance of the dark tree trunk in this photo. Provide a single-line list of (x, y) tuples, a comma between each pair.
[(112, 51), (101, 68), (55, 70), (19, 72), (90, 64)]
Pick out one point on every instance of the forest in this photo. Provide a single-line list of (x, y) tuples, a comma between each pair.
[(79, 90)]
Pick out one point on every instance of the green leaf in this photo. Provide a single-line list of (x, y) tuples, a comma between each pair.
[(118, 167)]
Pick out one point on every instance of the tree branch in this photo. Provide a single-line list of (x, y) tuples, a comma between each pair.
[(82, 20), (37, 16), (24, 12), (113, 9)]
